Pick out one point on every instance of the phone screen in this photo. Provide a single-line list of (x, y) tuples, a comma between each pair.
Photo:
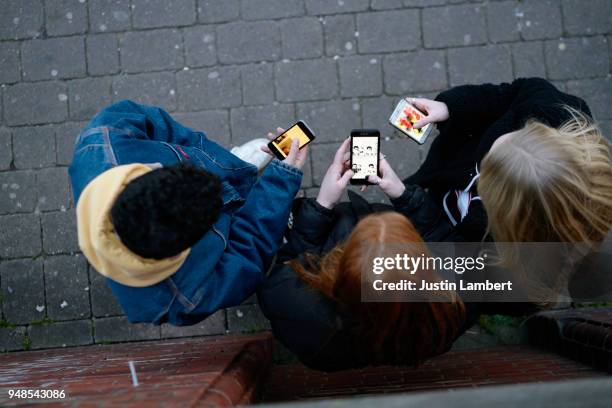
[(364, 156), (405, 116), (282, 144)]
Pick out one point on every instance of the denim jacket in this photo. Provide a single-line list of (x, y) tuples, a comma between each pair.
[(229, 261)]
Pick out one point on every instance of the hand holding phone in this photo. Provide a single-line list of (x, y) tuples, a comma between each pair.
[(365, 149), (388, 181), (281, 144), (407, 119)]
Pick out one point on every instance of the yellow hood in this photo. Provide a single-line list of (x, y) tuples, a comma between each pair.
[(99, 242)]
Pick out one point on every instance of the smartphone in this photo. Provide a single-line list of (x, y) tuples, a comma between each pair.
[(365, 147), (405, 116), (282, 144)]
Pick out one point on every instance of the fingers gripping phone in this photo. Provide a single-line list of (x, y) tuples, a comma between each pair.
[(282, 144), (405, 116), (365, 148)]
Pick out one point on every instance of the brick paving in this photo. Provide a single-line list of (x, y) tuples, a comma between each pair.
[(236, 69)]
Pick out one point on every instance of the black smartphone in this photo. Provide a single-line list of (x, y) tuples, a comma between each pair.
[(282, 144), (365, 147)]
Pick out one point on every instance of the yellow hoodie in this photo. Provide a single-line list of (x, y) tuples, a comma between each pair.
[(99, 242)]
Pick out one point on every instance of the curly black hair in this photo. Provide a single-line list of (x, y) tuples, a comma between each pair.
[(161, 213)]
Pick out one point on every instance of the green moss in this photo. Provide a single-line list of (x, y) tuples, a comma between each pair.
[(492, 323), (43, 322), (6, 323), (27, 343)]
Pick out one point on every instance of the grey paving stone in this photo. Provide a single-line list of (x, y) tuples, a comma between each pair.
[(53, 189), (115, 329), (12, 338), (200, 49), (320, 7), (162, 13), (6, 149), (102, 54), (302, 38), (34, 147), (429, 3), (331, 120), (402, 154), (23, 290), (9, 62), (414, 72), (210, 12), (378, 31), (269, 9), (21, 19), (17, 192), (158, 88), (103, 302), (46, 102), (502, 21), (201, 89), (214, 123), (65, 136), (256, 121), (59, 232), (246, 319), (567, 58), (528, 59), (67, 287), (248, 42), (212, 325), (597, 93), (61, 334), (386, 4), (594, 18), (143, 51), (257, 83), (340, 35), (478, 65), (109, 15), (541, 19), (453, 26), (376, 112), (65, 17), (53, 58), (88, 96), (321, 155), (606, 129), (20, 235), (306, 80), (360, 76), (306, 176)]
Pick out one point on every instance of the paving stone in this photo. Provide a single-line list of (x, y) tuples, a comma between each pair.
[(257, 83), (320, 7), (541, 19), (158, 88), (65, 17), (162, 13), (321, 157), (306, 176), (528, 59), (269, 9), (413, 72), (23, 290), (12, 338), (214, 123), (606, 129), (67, 287), (9, 62), (256, 121), (380, 31), (53, 189), (248, 42), (210, 12), (340, 35), (201, 89), (212, 325), (331, 120), (20, 235), (428, 3), (88, 96), (143, 51), (597, 93), (502, 21), (59, 232), (592, 19), (376, 112), (360, 76), (386, 4), (61, 334), (454, 26), (103, 302), (17, 192), (21, 19), (200, 50), (102, 54), (566, 58), (306, 80), (46, 102), (302, 38), (6, 149), (402, 154), (115, 329), (478, 65), (109, 15), (246, 319), (53, 58), (65, 136), (34, 147)]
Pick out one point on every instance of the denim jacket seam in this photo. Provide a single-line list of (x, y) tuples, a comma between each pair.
[(178, 295), (290, 169)]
